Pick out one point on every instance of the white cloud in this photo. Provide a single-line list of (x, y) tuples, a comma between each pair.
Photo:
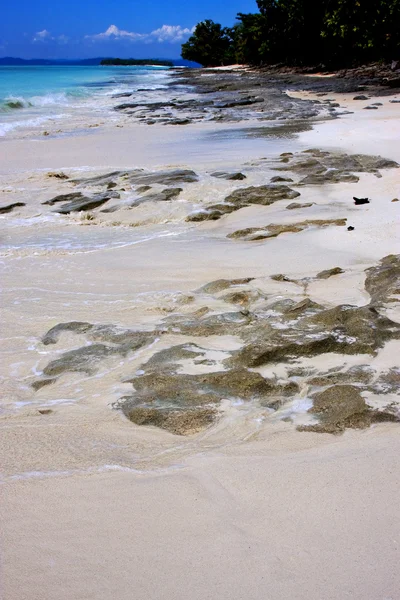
[(170, 33), (45, 36), (113, 33), (42, 36), (166, 33)]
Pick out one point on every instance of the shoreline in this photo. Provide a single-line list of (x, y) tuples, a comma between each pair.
[(170, 287)]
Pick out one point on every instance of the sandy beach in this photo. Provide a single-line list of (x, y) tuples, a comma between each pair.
[(200, 343)]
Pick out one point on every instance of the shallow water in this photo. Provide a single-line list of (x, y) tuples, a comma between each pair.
[(30, 96)]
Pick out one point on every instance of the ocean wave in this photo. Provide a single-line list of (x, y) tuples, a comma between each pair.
[(12, 103), (8, 126)]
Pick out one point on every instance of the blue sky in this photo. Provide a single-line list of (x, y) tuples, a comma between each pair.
[(91, 28)]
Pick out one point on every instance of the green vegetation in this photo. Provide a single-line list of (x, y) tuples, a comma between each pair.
[(302, 32), (126, 62)]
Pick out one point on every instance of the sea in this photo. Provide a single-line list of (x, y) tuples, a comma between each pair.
[(32, 95)]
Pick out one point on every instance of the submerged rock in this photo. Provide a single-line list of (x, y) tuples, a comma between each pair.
[(175, 401), (329, 273), (278, 179), (85, 359), (163, 196), (341, 407), (295, 205), (178, 422), (229, 176), (223, 284)]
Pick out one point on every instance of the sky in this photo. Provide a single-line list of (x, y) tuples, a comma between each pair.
[(123, 28)]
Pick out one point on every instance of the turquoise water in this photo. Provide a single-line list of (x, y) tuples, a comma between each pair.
[(30, 94)]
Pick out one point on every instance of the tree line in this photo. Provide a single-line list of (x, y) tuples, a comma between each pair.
[(301, 32)]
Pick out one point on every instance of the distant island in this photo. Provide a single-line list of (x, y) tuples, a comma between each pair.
[(126, 62), (11, 61)]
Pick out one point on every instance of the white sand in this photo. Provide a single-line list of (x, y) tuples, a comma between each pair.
[(250, 509)]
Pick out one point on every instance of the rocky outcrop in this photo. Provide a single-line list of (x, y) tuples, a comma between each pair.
[(383, 281), (182, 388), (83, 203), (253, 234), (9, 207), (105, 341), (319, 167), (263, 194)]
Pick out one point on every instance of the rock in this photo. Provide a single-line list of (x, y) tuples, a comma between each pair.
[(377, 104), (343, 329), (370, 107), (358, 374), (164, 196), (212, 213), (39, 383), (115, 341), (295, 205), (179, 395), (393, 83), (325, 167), (122, 95), (395, 200), (387, 383), (56, 175), (361, 97), (104, 179), (329, 273), (383, 281), (341, 407), (272, 230), (53, 335), (240, 102), (229, 176), (394, 101), (359, 201), (175, 421), (9, 207), (164, 177), (143, 188), (280, 277), (85, 360), (303, 307), (223, 284), (45, 411), (329, 177), (65, 198), (86, 203), (242, 297), (278, 179), (350, 228), (179, 121), (264, 194)]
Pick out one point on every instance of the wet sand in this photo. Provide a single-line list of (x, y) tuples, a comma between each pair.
[(249, 508)]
